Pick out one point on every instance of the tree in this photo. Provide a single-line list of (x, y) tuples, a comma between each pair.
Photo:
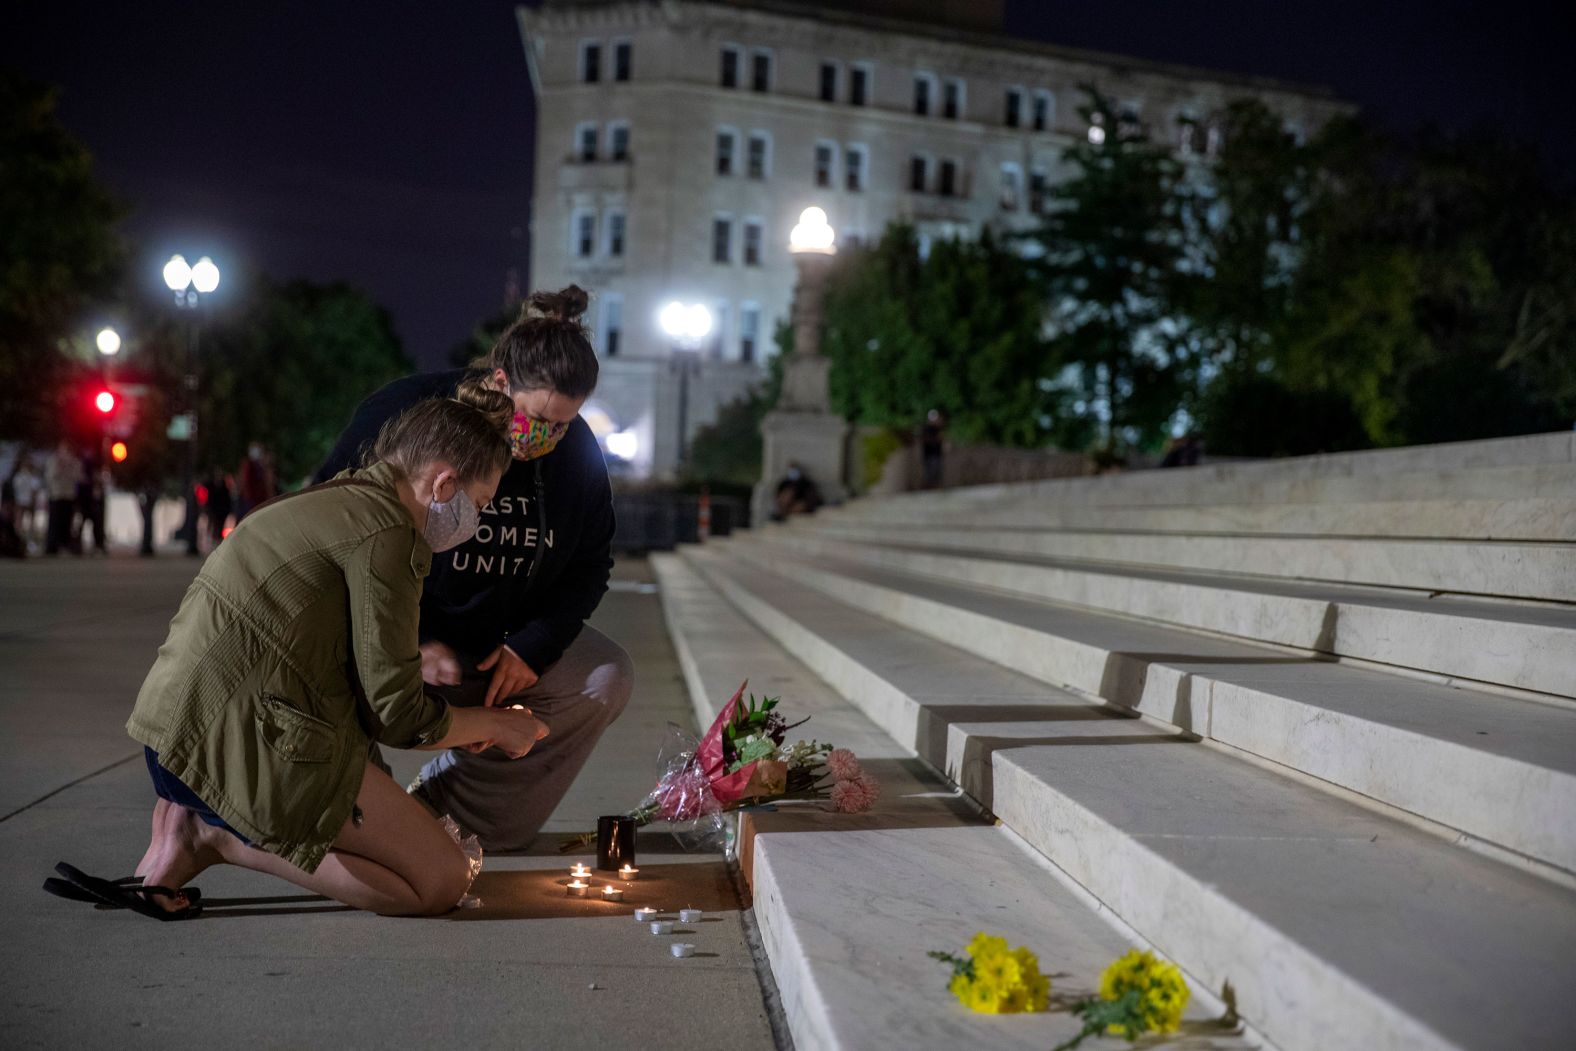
[(482, 338), (1109, 255), (60, 252)]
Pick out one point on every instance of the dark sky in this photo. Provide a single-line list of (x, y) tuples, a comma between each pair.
[(389, 144)]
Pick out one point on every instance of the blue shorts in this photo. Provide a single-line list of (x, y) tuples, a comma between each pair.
[(170, 787)]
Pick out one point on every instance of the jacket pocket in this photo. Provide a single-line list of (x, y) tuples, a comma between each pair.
[(292, 734)]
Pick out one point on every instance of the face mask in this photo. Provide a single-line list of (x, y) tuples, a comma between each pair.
[(530, 438), (451, 523)]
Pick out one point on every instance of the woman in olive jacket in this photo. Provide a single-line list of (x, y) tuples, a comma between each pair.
[(294, 652)]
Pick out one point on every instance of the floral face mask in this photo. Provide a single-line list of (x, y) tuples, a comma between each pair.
[(530, 438)]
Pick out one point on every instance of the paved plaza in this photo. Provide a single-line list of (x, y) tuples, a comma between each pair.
[(269, 967)]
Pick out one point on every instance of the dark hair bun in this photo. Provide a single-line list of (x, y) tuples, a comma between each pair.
[(566, 304), (497, 406)]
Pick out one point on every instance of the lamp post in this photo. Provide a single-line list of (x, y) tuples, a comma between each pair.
[(686, 325), (190, 284), (802, 428)]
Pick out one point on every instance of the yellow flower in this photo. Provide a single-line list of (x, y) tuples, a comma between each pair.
[(1004, 980), (1162, 991), (983, 944)]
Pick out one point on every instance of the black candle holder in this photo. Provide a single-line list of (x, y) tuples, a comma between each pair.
[(615, 842)]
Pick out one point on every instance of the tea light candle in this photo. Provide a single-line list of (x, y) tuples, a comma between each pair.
[(576, 889), (628, 872), (662, 927), (645, 915), (690, 915), (682, 949), (612, 893), (579, 870)]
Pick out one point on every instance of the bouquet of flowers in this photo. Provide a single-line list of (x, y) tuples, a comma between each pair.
[(743, 760)]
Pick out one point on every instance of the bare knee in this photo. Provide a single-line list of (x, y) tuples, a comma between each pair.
[(443, 882)]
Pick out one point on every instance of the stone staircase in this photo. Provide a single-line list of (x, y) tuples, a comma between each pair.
[(1308, 727)]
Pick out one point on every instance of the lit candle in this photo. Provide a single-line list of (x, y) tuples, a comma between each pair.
[(662, 927), (612, 893), (682, 949), (577, 889), (628, 872), (579, 871), (690, 915), (644, 915)]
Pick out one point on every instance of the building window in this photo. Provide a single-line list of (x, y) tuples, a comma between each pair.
[(759, 159), (855, 168), (615, 235), (825, 163), (1214, 140), (859, 85), (590, 61), (730, 67), (924, 88), (761, 71), (1014, 107), (918, 174), (618, 141), (948, 184), (1011, 187), (749, 330), (583, 234), (623, 56), (719, 329), (828, 82), (1039, 189), (585, 142), (612, 323), (952, 99), (1044, 110), (722, 239), (753, 229), (727, 141), (1192, 137)]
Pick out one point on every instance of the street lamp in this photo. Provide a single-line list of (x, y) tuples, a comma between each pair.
[(190, 284), (686, 325), (108, 341)]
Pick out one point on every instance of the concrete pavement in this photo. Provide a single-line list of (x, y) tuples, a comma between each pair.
[(269, 967)]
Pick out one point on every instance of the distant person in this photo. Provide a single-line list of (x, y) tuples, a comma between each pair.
[(503, 616), (932, 447), (796, 494), (27, 488), (220, 504), (1185, 451), (11, 543), (60, 484), (91, 494), (255, 481), (293, 653)]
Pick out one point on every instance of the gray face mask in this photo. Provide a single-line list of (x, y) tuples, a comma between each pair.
[(451, 523)]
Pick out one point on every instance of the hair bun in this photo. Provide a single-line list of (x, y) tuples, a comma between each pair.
[(567, 304), (497, 406)]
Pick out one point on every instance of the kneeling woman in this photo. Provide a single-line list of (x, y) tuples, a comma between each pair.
[(293, 654)]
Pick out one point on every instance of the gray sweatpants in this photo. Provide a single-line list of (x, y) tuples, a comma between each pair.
[(506, 801)]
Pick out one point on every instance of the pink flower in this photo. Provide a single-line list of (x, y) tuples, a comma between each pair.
[(843, 765), (855, 795)]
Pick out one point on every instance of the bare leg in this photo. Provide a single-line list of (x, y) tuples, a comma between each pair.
[(400, 862)]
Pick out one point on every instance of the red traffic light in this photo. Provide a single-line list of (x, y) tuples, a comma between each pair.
[(104, 401), (118, 452)]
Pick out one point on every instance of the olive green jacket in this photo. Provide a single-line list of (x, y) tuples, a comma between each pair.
[(294, 649)]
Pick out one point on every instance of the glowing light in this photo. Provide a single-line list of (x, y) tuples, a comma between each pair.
[(1096, 134), (685, 321), (623, 444), (813, 234), (118, 452), (177, 274), (108, 341), (205, 275), (104, 401)]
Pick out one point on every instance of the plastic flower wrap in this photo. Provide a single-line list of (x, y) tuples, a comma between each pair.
[(471, 847), (993, 979), (743, 759)]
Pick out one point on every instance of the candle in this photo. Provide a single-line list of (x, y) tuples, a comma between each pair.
[(662, 927), (612, 893), (615, 842), (628, 872), (577, 889), (682, 949), (644, 915), (690, 915), (579, 870)]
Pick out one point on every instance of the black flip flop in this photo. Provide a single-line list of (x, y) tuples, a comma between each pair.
[(128, 896), (61, 889)]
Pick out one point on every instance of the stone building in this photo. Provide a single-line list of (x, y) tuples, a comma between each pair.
[(677, 141)]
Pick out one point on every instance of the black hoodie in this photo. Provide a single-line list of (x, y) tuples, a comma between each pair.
[(483, 593)]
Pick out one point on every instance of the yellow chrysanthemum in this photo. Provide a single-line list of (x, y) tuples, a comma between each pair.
[(1004, 980), (983, 944), (983, 997), (1163, 993)]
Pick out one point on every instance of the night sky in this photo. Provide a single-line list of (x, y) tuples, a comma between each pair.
[(389, 144)]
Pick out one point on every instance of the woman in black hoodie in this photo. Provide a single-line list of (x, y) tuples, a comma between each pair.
[(503, 615)]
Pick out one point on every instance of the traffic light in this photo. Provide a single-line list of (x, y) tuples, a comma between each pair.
[(104, 401), (118, 452)]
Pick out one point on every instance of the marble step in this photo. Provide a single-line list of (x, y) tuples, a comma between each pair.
[(1339, 925), (848, 905), (1536, 571), (1527, 519), (1521, 645), (1501, 770)]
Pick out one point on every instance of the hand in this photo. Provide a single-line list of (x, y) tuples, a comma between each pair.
[(516, 731), (440, 665), (510, 675)]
